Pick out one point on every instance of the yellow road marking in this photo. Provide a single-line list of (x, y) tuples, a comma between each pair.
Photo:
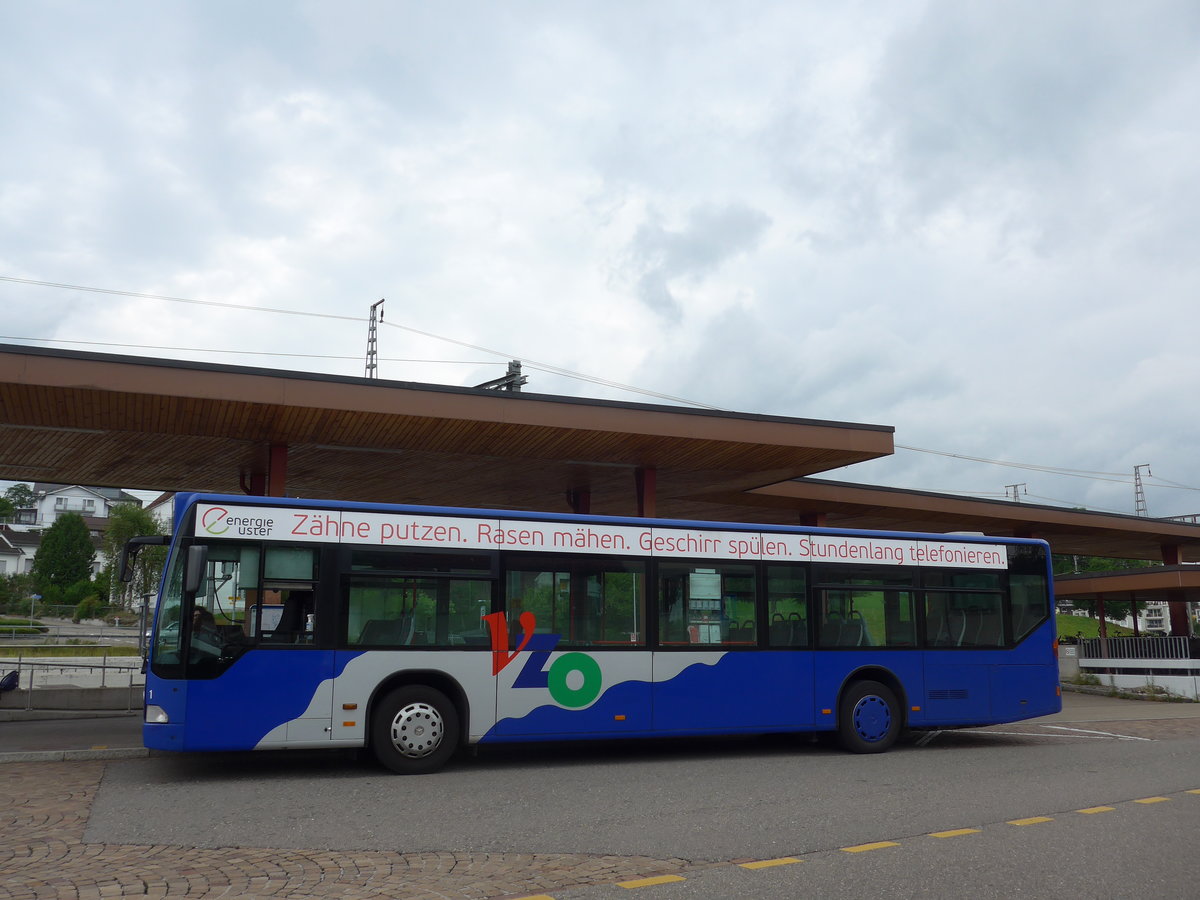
[(1033, 820), (767, 863), (536, 897), (648, 882), (99, 746), (1094, 809), (955, 833), (863, 848), (1196, 791), (1153, 800)]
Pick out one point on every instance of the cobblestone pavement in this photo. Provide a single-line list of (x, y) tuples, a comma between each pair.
[(44, 810), (45, 806)]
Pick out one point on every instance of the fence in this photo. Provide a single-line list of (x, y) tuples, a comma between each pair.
[(66, 632), (1140, 648), (45, 683)]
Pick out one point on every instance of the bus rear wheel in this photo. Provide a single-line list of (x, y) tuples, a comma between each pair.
[(869, 718), (414, 730)]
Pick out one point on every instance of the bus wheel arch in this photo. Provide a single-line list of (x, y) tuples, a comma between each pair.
[(871, 711), (417, 721)]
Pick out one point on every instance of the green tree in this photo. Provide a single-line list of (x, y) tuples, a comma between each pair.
[(65, 555), (20, 496), (1065, 564), (6, 508), (127, 520), (14, 593)]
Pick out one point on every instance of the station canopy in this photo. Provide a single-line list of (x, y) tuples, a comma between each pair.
[(124, 421)]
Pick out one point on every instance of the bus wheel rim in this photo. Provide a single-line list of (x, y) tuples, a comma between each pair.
[(872, 718), (417, 730)]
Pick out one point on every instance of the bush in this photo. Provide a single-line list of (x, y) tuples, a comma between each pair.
[(88, 608), (52, 595), (78, 592)]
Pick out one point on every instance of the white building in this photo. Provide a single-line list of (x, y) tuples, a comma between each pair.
[(53, 500), (20, 539)]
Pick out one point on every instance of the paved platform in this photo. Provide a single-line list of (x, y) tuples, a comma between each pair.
[(46, 806)]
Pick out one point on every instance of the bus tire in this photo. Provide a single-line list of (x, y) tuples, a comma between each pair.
[(869, 719), (414, 730)]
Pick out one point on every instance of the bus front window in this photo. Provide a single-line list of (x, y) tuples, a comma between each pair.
[(168, 636)]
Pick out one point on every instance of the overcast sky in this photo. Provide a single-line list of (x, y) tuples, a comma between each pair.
[(975, 222)]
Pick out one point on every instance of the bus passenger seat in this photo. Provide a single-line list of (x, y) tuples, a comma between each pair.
[(797, 630), (375, 632), (990, 632)]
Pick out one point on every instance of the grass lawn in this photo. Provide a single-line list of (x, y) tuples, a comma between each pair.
[(1069, 626)]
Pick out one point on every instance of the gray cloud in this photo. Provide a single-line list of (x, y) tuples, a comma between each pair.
[(708, 236), (974, 223)]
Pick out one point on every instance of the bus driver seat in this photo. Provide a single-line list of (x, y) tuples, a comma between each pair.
[(296, 608)]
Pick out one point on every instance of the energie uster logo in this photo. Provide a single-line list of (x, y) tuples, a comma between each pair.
[(213, 520)]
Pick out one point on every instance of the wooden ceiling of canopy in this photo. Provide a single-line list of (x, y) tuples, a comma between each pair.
[(122, 421)]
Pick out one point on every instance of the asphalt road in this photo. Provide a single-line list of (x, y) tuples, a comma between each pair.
[(728, 801), (715, 803)]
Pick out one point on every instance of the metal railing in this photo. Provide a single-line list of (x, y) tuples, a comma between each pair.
[(41, 676), (56, 634), (1140, 648)]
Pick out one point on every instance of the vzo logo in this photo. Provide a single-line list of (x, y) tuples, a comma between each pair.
[(534, 673)]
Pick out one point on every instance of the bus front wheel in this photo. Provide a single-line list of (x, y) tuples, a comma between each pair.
[(414, 730), (869, 718)]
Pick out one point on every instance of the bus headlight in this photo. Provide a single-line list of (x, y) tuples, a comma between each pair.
[(156, 715)]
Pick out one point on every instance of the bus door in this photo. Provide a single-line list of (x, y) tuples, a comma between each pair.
[(256, 669), (576, 662), (963, 631)]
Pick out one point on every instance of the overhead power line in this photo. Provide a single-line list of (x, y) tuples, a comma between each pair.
[(213, 303), (1056, 470), (456, 362), (533, 364), (1113, 477)]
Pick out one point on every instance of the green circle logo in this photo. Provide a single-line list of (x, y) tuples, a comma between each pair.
[(589, 690)]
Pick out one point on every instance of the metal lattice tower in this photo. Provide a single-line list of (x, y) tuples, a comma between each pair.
[(372, 340), (510, 381), (1139, 492)]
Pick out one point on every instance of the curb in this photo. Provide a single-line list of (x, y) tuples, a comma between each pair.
[(1099, 690), (37, 715), (72, 755)]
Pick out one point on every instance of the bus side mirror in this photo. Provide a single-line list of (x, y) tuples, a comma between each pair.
[(130, 551), (195, 569)]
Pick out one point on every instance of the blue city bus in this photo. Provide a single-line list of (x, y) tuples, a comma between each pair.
[(413, 631)]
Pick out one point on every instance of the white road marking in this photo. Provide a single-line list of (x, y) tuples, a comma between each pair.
[(1120, 737)]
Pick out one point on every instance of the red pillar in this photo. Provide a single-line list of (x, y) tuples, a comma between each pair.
[(580, 500), (277, 470), (646, 478), (253, 483), (1176, 602)]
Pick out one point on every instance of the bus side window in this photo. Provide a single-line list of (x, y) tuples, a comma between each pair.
[(711, 604), (585, 602)]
